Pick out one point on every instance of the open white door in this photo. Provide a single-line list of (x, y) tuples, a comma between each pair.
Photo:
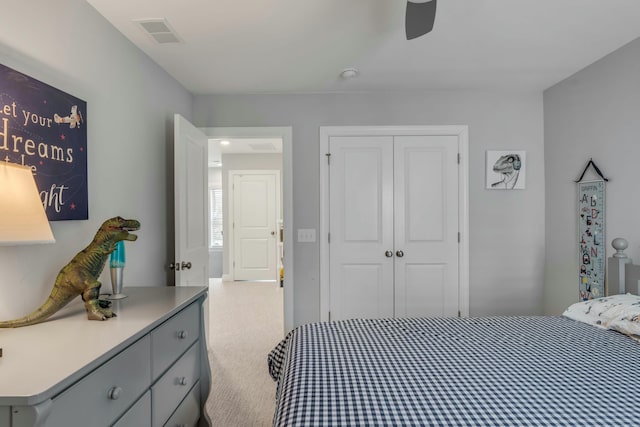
[(191, 211)]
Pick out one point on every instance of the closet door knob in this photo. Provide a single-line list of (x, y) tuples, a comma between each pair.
[(388, 254), (399, 254)]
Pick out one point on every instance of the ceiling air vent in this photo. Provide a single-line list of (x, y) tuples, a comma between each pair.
[(159, 30)]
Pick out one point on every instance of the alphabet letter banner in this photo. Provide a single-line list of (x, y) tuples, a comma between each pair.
[(591, 229), (46, 129)]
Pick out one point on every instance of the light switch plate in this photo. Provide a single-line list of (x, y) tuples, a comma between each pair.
[(306, 235)]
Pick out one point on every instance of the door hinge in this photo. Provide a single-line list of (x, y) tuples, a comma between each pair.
[(459, 314), (329, 315), (458, 158), (328, 158), (329, 237), (459, 237)]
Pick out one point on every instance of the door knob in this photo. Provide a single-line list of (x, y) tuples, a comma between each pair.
[(388, 254), (186, 265), (399, 254), (174, 266), (273, 233)]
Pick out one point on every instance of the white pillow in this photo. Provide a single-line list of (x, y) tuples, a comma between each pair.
[(601, 312), (627, 319), (626, 327)]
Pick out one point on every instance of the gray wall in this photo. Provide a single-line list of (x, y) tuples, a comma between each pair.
[(592, 114), (507, 238), (130, 106), (232, 162)]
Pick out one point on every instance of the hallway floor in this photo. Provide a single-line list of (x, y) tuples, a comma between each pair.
[(246, 322)]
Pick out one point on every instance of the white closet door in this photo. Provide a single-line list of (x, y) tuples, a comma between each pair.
[(361, 223), (426, 225)]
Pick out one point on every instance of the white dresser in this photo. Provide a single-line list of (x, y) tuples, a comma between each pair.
[(146, 367)]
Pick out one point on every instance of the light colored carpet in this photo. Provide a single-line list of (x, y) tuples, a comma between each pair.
[(246, 320)]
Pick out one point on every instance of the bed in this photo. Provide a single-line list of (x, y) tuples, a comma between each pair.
[(578, 369)]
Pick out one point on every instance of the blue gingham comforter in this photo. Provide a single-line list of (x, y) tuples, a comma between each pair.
[(494, 371)]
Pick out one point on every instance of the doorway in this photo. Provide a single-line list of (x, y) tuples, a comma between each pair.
[(257, 139)]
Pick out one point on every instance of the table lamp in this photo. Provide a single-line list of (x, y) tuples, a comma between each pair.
[(23, 220)]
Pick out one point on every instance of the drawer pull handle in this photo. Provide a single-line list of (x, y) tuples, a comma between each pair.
[(183, 381), (114, 393), (183, 334)]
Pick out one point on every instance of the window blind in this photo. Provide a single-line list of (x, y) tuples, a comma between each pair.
[(215, 220)]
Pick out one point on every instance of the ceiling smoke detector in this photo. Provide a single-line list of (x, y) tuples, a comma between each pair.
[(349, 73), (159, 30)]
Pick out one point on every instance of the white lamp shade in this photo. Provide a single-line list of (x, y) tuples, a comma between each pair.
[(22, 216)]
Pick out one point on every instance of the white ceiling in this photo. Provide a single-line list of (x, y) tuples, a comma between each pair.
[(242, 146), (249, 145), (257, 46)]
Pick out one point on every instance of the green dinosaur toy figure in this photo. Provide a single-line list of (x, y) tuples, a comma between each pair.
[(80, 276)]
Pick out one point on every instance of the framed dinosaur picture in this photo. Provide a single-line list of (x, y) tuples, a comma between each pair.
[(506, 170), (46, 129)]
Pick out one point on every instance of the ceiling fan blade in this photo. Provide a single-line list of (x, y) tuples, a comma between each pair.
[(419, 18)]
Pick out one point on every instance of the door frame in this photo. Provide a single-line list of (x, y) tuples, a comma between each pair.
[(231, 210), (286, 134), (462, 133)]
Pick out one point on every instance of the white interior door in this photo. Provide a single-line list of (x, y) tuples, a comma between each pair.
[(255, 227), (191, 210), (393, 223), (426, 225), (361, 218)]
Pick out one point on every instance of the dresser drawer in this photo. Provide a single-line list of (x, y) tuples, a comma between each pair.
[(173, 386), (172, 338), (4, 416), (104, 394), (139, 415), (188, 413)]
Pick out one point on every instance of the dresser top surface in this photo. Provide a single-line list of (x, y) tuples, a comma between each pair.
[(41, 360)]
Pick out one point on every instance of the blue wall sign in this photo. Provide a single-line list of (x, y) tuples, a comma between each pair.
[(46, 129)]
